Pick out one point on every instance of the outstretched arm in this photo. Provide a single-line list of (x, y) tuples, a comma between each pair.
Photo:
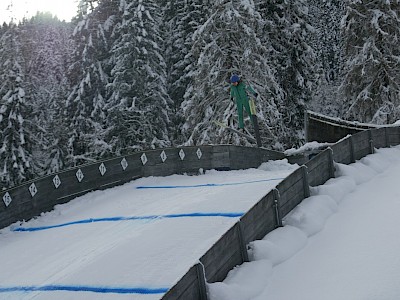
[(251, 90)]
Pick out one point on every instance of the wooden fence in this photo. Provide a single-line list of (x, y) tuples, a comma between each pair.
[(230, 250), (321, 128), (34, 197)]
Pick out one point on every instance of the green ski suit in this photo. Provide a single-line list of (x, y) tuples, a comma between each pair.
[(239, 92)]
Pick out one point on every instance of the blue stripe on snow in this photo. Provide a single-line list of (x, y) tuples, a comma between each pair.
[(202, 185), (116, 219), (78, 288)]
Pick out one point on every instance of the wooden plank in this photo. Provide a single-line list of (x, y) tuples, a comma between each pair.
[(291, 198), (187, 288), (223, 256), (244, 158), (220, 157), (70, 186), (319, 175), (291, 192), (6, 219), (171, 164), (20, 207), (318, 161), (192, 163), (320, 168), (260, 219), (393, 135), (294, 177), (361, 144), (226, 264), (379, 137), (342, 151)]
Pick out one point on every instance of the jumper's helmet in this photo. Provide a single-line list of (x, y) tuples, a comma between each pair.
[(235, 78)]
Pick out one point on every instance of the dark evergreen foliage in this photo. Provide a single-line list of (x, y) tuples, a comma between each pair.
[(16, 136), (289, 32), (328, 43), (46, 50), (371, 83), (181, 19), (129, 75), (89, 78), (139, 104)]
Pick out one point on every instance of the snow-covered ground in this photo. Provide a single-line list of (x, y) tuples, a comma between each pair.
[(135, 241), (341, 243), (129, 242)]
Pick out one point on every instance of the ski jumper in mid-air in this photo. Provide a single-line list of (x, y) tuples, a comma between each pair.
[(239, 93)]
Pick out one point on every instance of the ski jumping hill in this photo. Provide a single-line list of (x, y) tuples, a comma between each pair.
[(187, 231)]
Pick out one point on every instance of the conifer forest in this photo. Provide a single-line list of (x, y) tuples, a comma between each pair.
[(131, 75)]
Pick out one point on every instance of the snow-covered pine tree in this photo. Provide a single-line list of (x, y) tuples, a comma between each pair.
[(181, 20), (327, 42), (139, 104), (371, 85), (46, 50), (89, 79), (325, 17), (16, 163), (3, 28), (227, 43), (288, 30)]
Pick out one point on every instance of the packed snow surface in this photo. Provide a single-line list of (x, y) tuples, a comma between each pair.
[(129, 242)]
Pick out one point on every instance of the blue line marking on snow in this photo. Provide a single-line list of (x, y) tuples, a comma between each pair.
[(116, 219), (202, 185), (78, 288)]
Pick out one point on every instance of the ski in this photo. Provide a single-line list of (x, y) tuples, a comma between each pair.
[(248, 136)]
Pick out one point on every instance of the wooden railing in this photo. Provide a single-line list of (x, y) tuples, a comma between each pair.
[(34, 197), (321, 128), (230, 250)]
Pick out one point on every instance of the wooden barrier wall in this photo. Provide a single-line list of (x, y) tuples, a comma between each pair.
[(230, 250), (321, 128), (34, 197)]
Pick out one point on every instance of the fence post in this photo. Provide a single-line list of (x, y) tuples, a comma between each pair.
[(242, 245), (386, 137), (201, 278), (371, 142), (306, 123), (331, 164), (278, 218), (306, 186), (352, 156)]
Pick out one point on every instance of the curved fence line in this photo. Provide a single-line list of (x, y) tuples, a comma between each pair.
[(133, 218), (267, 214), (322, 128), (230, 250), (34, 197)]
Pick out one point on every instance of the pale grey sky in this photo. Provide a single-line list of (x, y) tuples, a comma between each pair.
[(63, 9)]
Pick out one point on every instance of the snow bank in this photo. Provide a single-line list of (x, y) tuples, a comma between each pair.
[(359, 172), (278, 165), (278, 245), (238, 285), (311, 214), (307, 219), (311, 146), (336, 188)]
